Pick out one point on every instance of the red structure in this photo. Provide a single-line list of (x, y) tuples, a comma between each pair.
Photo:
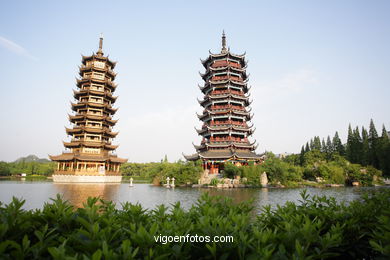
[(226, 116)]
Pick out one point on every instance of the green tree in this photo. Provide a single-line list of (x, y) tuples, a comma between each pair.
[(317, 143), (384, 152), (323, 146), (307, 148), (357, 146), (329, 148), (365, 147), (373, 145), (350, 140), (337, 144), (302, 156), (4, 169)]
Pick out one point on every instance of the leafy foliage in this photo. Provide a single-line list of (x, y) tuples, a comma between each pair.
[(30, 168), (316, 228), (366, 148), (183, 172)]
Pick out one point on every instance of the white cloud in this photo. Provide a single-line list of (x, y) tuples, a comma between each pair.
[(15, 48)]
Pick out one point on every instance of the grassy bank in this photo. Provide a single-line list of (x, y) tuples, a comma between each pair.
[(317, 228)]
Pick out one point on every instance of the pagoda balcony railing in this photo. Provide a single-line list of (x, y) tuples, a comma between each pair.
[(222, 92), (221, 78), (227, 122), (222, 107), (83, 67), (224, 63), (107, 93), (91, 141), (109, 81), (84, 172), (228, 139), (109, 129)]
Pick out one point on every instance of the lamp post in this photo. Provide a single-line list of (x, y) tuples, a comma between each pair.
[(167, 185)]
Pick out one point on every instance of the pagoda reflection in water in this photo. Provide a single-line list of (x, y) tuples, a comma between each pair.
[(78, 193)]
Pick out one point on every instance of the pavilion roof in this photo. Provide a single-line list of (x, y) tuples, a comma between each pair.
[(84, 157)]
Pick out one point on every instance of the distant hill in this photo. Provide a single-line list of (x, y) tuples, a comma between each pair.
[(32, 158)]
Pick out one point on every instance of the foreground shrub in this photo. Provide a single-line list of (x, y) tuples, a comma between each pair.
[(316, 228)]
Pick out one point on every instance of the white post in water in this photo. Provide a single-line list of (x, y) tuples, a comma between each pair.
[(131, 182), (173, 182), (167, 185)]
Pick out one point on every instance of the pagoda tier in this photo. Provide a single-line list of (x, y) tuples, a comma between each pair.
[(91, 135), (226, 112)]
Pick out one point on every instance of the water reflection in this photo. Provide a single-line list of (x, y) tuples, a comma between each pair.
[(237, 195), (36, 193), (78, 193)]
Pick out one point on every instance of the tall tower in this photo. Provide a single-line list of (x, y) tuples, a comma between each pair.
[(226, 115), (90, 156)]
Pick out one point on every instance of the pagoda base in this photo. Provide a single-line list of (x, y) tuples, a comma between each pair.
[(87, 178)]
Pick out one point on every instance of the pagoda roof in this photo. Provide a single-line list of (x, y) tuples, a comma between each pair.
[(203, 146), (226, 68), (97, 56), (225, 82), (85, 157), (225, 154), (222, 113), (223, 128), (81, 129), (78, 117), (90, 80), (216, 56), (93, 104), (223, 85), (84, 68), (223, 96), (90, 144), (192, 157), (229, 79), (78, 93)]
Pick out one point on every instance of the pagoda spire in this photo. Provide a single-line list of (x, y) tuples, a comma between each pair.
[(100, 51), (224, 50)]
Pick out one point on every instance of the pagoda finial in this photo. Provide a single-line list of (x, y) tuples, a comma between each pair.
[(100, 51), (224, 50)]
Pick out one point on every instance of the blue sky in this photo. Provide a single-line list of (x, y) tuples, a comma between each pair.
[(315, 67)]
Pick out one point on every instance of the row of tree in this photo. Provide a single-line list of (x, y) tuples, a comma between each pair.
[(30, 168), (362, 147)]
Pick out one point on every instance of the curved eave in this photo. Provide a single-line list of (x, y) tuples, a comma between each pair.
[(77, 94), (108, 107), (75, 118), (106, 82), (70, 131), (111, 147), (242, 83), (192, 157), (98, 57), (62, 157), (84, 69), (238, 57), (227, 112), (223, 96)]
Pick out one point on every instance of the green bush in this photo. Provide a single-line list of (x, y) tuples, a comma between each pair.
[(230, 170), (183, 172), (315, 228)]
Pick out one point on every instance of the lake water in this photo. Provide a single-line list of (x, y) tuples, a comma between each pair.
[(37, 193)]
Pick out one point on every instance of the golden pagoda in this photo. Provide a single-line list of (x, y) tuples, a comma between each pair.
[(90, 156)]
